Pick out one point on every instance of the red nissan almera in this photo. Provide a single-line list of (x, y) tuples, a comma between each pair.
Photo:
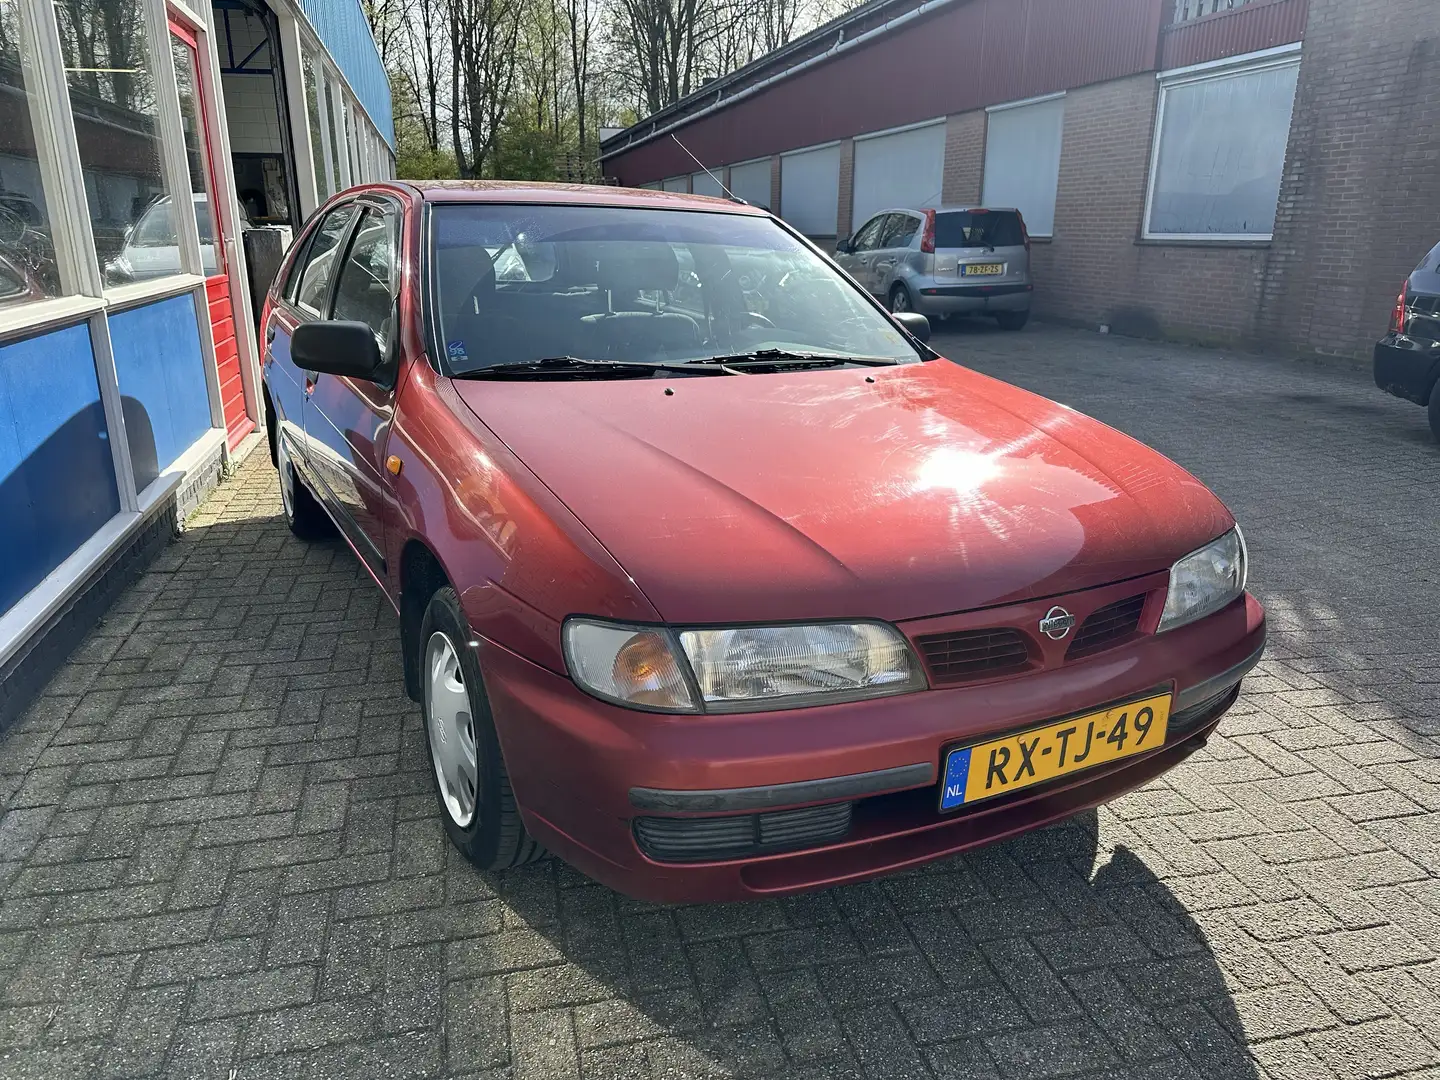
[(712, 577)]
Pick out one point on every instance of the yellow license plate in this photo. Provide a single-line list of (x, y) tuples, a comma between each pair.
[(1031, 757), (982, 269)]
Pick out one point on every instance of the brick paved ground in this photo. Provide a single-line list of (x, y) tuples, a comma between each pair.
[(220, 858)]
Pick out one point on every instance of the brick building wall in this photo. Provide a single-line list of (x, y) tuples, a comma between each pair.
[(964, 157), (844, 211), (1360, 198), (1097, 269)]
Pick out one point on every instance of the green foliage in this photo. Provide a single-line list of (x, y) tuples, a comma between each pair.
[(414, 160), (524, 152)]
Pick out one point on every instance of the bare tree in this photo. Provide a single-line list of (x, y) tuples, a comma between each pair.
[(483, 37), (581, 17)]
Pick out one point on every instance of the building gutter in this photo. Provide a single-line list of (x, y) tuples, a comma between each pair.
[(835, 50)]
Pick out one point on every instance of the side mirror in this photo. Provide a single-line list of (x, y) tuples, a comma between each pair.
[(917, 325), (348, 349), (843, 246)]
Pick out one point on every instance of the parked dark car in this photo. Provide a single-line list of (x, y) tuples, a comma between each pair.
[(1407, 358), (718, 602)]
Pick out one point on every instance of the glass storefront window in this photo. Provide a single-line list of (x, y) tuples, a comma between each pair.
[(323, 190), (110, 73), (28, 269), (212, 256), (336, 138)]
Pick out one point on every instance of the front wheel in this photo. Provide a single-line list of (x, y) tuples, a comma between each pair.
[(1434, 411), (900, 299), (1012, 320), (303, 513), (472, 786)]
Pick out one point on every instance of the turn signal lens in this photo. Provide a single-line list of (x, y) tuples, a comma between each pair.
[(645, 672), (629, 665), (1397, 316)]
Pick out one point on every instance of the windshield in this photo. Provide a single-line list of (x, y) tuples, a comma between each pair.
[(517, 284), (978, 228)]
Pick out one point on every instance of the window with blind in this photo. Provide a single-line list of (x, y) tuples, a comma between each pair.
[(1220, 153)]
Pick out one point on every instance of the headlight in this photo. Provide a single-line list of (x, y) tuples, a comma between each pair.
[(734, 670), (1205, 581)]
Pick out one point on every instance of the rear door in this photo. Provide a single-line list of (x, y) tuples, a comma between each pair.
[(981, 247), (347, 421), (900, 230), (861, 261)]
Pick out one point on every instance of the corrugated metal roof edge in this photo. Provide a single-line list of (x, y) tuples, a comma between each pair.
[(386, 125), (693, 103)]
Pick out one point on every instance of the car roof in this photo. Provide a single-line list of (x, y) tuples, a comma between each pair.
[(943, 210), (513, 191)]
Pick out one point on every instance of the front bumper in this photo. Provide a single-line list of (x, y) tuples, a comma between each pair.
[(1406, 368), (936, 299), (584, 771)]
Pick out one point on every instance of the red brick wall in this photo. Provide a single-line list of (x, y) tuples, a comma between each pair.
[(1360, 200), (1096, 270), (964, 157), (846, 208)]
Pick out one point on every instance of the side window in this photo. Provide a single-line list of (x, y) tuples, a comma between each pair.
[(869, 235), (369, 276), (320, 261), (900, 231)]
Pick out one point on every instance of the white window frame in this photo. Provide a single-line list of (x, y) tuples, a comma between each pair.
[(87, 302), (985, 154), (1250, 63)]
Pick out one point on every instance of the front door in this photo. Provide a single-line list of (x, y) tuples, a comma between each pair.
[(347, 421), (199, 156)]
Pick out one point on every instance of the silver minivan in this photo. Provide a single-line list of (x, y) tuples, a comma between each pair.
[(950, 261)]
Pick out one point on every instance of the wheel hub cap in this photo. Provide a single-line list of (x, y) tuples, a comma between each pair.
[(287, 477), (452, 729)]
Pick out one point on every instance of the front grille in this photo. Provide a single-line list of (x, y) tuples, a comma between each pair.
[(709, 839), (973, 654), (1107, 626)]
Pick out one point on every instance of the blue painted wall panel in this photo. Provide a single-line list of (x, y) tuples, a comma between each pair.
[(345, 33), (57, 477), (162, 382)]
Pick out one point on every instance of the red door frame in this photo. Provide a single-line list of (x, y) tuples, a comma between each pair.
[(238, 423)]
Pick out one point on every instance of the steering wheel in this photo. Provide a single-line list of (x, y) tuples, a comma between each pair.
[(757, 319)]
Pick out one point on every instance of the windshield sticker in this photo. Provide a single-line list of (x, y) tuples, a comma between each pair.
[(455, 350)]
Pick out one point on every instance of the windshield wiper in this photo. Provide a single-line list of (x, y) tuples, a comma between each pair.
[(581, 365), (787, 358)]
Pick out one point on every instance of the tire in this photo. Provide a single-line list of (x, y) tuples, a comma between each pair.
[(900, 298), (303, 513), (1434, 410), (1012, 320), (487, 829)]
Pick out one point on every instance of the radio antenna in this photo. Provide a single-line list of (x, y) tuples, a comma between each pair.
[(708, 173)]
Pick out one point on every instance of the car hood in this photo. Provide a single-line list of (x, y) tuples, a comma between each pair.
[(890, 493)]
